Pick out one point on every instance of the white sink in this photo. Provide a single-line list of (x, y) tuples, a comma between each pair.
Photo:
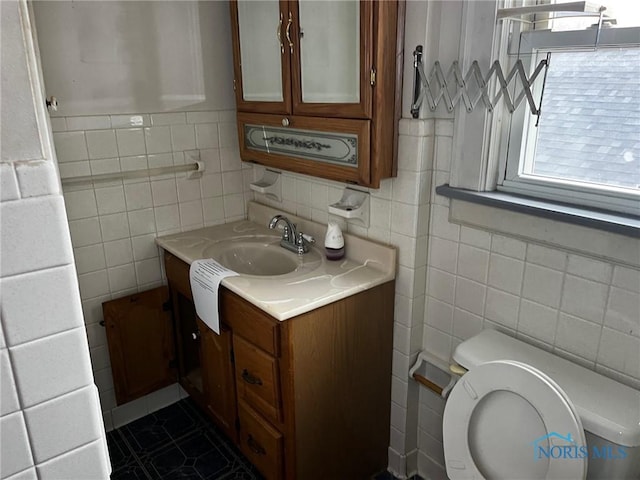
[(261, 256), (278, 281)]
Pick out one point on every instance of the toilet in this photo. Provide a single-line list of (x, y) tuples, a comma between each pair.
[(519, 412)]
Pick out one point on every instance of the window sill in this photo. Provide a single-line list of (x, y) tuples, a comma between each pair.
[(596, 233), (601, 220)]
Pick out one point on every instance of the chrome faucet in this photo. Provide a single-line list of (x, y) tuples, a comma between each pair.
[(292, 240)]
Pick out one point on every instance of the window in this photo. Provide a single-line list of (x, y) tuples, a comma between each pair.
[(585, 146)]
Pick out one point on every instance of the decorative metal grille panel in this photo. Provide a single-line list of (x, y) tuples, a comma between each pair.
[(330, 147)]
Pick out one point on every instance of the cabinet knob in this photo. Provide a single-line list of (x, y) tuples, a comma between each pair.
[(195, 335), (285, 122)]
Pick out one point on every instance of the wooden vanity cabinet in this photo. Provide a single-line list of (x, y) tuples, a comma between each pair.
[(307, 398), (304, 66)]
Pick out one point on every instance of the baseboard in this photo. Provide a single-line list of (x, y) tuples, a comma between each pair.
[(403, 466), (429, 469)]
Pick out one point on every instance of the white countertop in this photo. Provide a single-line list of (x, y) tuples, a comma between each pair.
[(366, 265)]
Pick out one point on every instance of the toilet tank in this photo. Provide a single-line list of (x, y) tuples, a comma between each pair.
[(609, 410)]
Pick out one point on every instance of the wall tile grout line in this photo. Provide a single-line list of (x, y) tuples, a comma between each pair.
[(32, 272), (45, 337)]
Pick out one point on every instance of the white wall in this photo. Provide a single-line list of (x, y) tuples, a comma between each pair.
[(141, 85), (112, 57), (400, 212), (583, 308), (113, 224), (578, 305), (50, 423)]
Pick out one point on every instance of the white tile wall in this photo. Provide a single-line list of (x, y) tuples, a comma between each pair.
[(581, 308), (43, 349), (15, 454), (77, 464), (61, 424), (44, 359), (8, 390), (70, 146), (44, 230), (39, 381), (622, 311), (100, 143), (113, 224), (37, 178), (28, 474), (32, 297)]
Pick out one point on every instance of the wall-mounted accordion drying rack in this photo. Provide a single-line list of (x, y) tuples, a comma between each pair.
[(475, 86)]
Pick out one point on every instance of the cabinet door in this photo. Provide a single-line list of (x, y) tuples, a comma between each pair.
[(262, 56), (218, 378), (140, 337), (332, 58), (187, 334)]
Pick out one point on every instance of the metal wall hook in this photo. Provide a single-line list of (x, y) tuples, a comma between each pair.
[(52, 104)]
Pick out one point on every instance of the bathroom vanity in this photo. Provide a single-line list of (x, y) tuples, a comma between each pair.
[(318, 86), (300, 375)]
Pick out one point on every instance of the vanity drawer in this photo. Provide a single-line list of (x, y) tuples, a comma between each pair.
[(260, 442), (250, 322), (257, 379)]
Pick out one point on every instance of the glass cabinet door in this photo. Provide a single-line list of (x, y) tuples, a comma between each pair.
[(332, 58), (262, 74)]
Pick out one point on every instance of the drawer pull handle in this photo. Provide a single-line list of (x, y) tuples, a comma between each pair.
[(247, 377), (255, 447)]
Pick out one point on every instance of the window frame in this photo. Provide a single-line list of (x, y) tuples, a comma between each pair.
[(514, 143)]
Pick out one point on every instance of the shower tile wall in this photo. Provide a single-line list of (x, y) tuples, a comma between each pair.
[(113, 224), (50, 422)]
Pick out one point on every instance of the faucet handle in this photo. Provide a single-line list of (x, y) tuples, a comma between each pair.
[(307, 238), (303, 241)]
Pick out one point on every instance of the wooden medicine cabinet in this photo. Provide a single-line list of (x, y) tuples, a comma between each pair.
[(318, 86)]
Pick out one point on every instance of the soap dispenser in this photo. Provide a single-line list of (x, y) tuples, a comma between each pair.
[(334, 242)]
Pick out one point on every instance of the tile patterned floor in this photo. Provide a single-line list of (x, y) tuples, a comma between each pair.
[(179, 442)]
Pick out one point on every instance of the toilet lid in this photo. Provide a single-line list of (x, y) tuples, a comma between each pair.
[(508, 420)]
